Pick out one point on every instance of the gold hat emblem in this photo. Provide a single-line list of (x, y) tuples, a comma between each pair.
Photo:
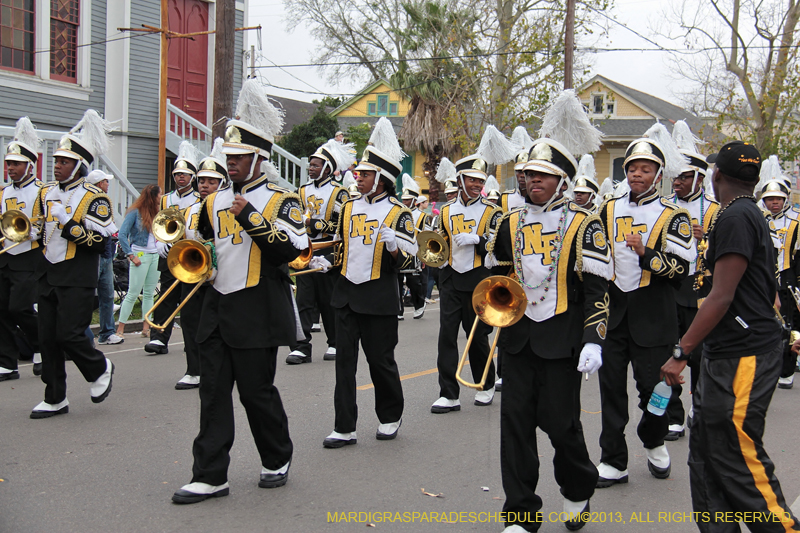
[(14, 148), (209, 164), (522, 157), (181, 164), (233, 135), (479, 164), (581, 182), (642, 148), (65, 143), (542, 152), (773, 186)]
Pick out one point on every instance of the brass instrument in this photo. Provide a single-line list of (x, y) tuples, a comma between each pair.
[(434, 249), (302, 260), (16, 227), (500, 302), (169, 225), (337, 256), (190, 262)]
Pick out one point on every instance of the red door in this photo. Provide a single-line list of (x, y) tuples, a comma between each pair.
[(187, 82)]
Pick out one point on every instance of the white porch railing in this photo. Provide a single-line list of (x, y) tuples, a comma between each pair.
[(181, 126), (120, 190)]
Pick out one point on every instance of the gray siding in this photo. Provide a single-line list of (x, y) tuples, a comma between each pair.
[(238, 61), (142, 161), (144, 70), (57, 113)]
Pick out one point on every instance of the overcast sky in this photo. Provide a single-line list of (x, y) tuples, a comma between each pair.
[(646, 71)]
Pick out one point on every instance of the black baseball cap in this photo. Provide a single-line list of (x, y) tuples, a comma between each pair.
[(739, 160)]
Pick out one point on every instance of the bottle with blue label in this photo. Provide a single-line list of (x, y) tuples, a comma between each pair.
[(660, 398)]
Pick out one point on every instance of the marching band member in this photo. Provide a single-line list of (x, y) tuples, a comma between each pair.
[(466, 222), (562, 259), (212, 175), (492, 190), (18, 264), (413, 275), (516, 197), (256, 229), (689, 195), (378, 239), (785, 233), (184, 172), (77, 224), (652, 245), (322, 200), (585, 187)]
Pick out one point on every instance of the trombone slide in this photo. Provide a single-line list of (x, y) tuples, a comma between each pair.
[(161, 327), (463, 361)]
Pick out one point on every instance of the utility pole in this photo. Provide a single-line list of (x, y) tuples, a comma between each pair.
[(252, 61), (224, 57), (162, 102), (569, 43)]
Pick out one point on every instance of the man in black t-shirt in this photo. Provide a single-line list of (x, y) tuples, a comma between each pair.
[(729, 469)]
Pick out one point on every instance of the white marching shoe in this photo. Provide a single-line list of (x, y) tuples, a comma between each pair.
[(445, 405), (102, 386), (658, 462), (188, 382), (610, 476), (46, 410), (484, 397)]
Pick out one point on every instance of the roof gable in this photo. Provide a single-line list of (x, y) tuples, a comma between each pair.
[(656, 107), (358, 105)]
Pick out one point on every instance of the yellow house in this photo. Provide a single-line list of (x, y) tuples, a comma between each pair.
[(373, 102)]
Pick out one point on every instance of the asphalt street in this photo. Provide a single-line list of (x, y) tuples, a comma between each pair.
[(112, 467)]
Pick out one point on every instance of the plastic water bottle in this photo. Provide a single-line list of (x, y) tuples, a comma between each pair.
[(660, 399)]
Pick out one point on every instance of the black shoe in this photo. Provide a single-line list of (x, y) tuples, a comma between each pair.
[(157, 349), (98, 399), (603, 483), (338, 443), (580, 520), (659, 473), (14, 374), (37, 369), (184, 496), (271, 481), (293, 359), (674, 435)]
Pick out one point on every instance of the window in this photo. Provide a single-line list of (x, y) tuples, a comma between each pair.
[(393, 109), (597, 104), (371, 109), (64, 22), (17, 35), (383, 104)]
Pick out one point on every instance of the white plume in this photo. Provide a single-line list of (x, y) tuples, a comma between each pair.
[(385, 139), (707, 185), (674, 161), (270, 171), (491, 184), (446, 171), (254, 108), (495, 148), (586, 167), (93, 132), (216, 151), (605, 188), (684, 138), (188, 152), (521, 139), (342, 154), (770, 170), (26, 134), (621, 189), (348, 180), (566, 122), (410, 184)]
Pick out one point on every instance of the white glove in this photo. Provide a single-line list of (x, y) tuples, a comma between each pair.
[(163, 248), (58, 211), (591, 359), (388, 238), (319, 262), (466, 239)]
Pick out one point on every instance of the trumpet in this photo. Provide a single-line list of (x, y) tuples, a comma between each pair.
[(433, 248), (500, 302), (169, 225), (337, 256), (301, 262), (16, 227), (190, 262)]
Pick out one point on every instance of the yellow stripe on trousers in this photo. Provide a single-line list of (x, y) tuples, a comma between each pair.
[(742, 387)]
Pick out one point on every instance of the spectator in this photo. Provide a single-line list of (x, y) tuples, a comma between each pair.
[(139, 245), (105, 279)]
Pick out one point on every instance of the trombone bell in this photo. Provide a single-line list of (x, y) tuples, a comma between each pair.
[(15, 227), (500, 302), (433, 249), (169, 225), (301, 261)]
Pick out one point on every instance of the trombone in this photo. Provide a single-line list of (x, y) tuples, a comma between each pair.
[(169, 225), (433, 248), (16, 227), (190, 262), (500, 302), (300, 264)]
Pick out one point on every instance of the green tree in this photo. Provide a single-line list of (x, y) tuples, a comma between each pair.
[(330, 101), (306, 137), (359, 135)]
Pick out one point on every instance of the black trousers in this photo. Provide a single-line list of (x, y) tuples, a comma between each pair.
[(544, 393), (64, 315), (17, 296), (789, 313), (190, 318), (729, 469), (619, 351), (455, 309), (675, 411), (314, 293), (415, 287), (378, 337), (254, 373), (166, 308)]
